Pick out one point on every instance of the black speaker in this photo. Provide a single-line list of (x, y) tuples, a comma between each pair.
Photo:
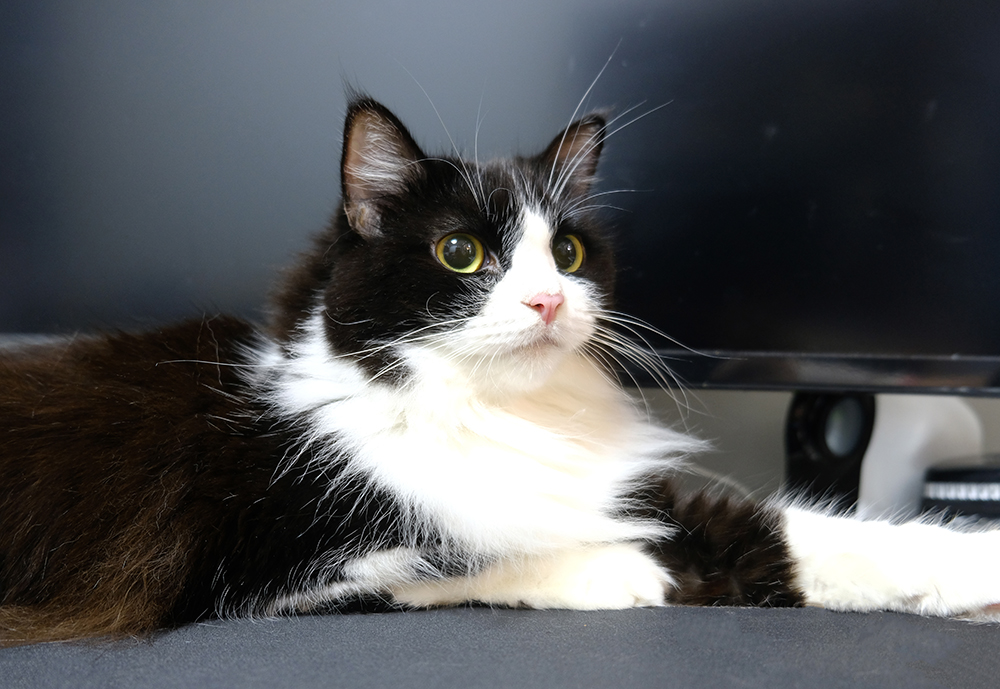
[(825, 440)]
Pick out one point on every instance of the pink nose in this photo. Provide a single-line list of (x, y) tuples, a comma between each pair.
[(546, 305)]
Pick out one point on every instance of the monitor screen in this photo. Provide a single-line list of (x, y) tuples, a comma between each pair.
[(823, 204)]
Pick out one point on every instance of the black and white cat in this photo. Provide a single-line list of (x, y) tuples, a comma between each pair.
[(430, 418)]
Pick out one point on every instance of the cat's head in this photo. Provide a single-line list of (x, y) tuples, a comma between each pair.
[(493, 271)]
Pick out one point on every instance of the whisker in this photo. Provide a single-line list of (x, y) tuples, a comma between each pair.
[(644, 356), (590, 197), (611, 366), (607, 356), (210, 363), (579, 105), (567, 172), (597, 206), (630, 322), (464, 171), (634, 119), (660, 374), (475, 147)]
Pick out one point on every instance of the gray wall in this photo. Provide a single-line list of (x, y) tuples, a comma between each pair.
[(159, 158)]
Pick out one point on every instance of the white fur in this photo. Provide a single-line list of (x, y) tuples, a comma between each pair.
[(378, 571), (849, 564)]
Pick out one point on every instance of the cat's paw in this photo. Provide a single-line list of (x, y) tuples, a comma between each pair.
[(929, 569), (609, 577), (602, 577), (986, 613)]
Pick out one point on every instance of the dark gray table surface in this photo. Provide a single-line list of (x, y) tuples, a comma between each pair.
[(478, 647)]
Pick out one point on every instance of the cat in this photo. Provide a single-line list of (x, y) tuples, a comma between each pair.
[(431, 416)]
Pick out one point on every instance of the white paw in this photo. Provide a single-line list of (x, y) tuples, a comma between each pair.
[(610, 577), (603, 577), (987, 613), (848, 564)]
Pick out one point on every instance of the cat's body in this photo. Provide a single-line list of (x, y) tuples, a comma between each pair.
[(429, 418)]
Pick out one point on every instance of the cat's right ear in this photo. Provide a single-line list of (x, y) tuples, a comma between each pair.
[(380, 160)]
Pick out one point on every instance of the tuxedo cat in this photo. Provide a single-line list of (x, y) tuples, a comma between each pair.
[(431, 417)]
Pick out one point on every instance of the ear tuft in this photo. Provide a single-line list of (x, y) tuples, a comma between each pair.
[(380, 160), (573, 155)]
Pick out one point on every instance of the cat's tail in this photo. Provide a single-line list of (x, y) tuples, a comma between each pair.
[(21, 625), (131, 593)]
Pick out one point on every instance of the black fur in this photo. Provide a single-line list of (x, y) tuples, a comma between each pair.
[(724, 551)]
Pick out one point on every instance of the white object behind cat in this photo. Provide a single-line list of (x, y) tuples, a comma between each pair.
[(912, 433)]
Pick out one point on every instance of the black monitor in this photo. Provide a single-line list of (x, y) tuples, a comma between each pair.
[(825, 204), (815, 206)]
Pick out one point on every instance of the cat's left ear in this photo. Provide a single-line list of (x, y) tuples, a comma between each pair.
[(380, 160), (572, 156)]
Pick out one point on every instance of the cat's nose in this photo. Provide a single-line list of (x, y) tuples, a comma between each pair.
[(545, 305)]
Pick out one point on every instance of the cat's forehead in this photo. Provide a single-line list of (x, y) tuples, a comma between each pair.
[(535, 230), (516, 182), (511, 188), (499, 201)]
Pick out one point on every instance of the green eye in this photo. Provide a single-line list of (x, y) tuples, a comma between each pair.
[(460, 252), (568, 253)]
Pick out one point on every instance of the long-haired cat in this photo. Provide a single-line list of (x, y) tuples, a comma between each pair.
[(430, 417)]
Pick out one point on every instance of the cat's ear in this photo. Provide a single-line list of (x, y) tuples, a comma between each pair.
[(380, 159), (572, 156)]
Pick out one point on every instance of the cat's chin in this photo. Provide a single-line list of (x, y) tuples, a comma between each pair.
[(524, 368), (545, 345), (529, 363)]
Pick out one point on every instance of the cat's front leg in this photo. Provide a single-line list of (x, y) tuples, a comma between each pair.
[(737, 552), (611, 576)]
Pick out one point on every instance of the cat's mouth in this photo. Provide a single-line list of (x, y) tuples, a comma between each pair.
[(542, 343)]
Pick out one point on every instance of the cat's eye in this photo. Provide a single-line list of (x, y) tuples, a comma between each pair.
[(568, 252), (460, 252)]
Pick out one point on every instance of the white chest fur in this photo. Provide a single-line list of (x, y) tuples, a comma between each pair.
[(531, 473)]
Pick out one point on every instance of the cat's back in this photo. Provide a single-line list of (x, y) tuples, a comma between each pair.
[(180, 366), (79, 415), (125, 457)]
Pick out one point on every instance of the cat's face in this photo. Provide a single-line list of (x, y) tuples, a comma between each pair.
[(442, 267)]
